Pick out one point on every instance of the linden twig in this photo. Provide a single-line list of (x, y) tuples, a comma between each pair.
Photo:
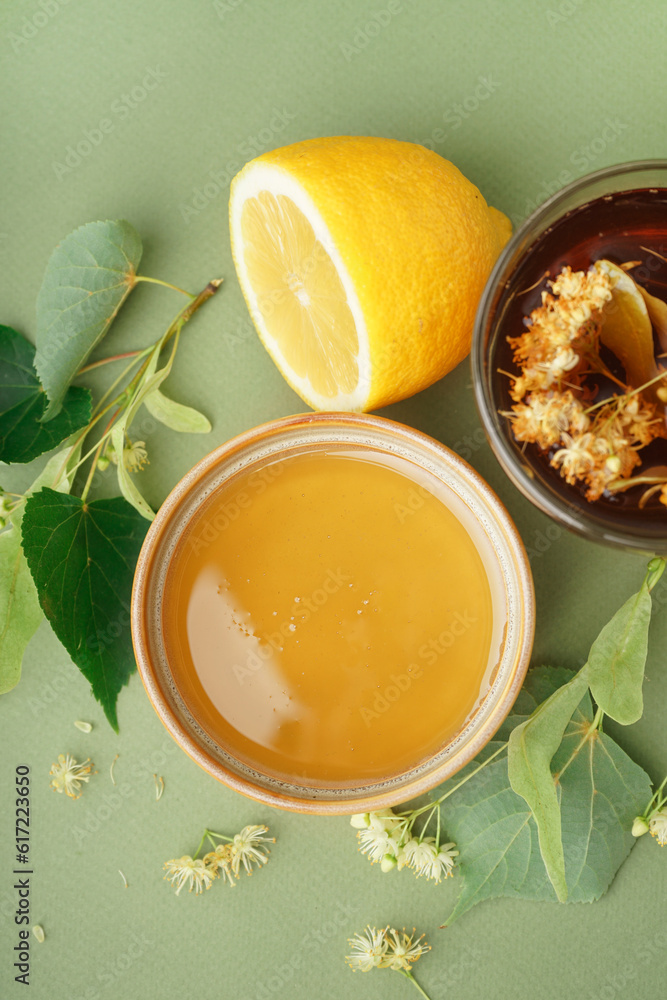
[(165, 284), (628, 395), (451, 791), (107, 361), (408, 975)]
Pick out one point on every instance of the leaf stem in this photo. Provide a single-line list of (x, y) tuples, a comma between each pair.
[(654, 571), (100, 410), (409, 975), (201, 844), (107, 361), (595, 724), (210, 834), (220, 836), (177, 325), (98, 450), (456, 787), (657, 800), (165, 284)]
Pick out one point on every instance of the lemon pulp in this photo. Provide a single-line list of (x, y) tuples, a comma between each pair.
[(299, 294)]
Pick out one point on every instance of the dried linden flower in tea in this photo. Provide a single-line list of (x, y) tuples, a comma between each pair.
[(596, 445)]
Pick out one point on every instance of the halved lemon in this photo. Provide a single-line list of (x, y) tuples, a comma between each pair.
[(362, 261)]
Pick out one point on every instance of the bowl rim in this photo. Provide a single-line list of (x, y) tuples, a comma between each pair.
[(338, 804), (573, 517)]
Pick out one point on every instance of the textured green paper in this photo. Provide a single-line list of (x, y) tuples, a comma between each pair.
[(144, 112)]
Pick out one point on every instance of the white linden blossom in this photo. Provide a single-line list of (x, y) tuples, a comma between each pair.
[(442, 864), (403, 950), (135, 455), (658, 827), (219, 861), (246, 850), (376, 843), (426, 859), (368, 950), (67, 775), (186, 871)]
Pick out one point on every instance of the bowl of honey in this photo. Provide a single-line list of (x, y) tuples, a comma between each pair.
[(600, 466), (332, 613)]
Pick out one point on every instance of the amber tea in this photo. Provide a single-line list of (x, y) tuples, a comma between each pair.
[(592, 423)]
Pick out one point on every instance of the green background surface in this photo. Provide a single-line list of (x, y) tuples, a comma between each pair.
[(567, 86)]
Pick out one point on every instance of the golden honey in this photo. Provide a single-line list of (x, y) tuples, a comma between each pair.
[(327, 620)]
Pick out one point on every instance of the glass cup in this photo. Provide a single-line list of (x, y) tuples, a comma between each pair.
[(433, 466), (520, 264)]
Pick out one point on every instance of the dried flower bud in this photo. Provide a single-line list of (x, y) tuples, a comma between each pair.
[(613, 463)]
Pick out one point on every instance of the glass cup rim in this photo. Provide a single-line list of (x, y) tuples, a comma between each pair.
[(515, 570), (554, 506)]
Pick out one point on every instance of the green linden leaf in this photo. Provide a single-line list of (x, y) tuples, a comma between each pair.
[(22, 403), (176, 416), (82, 558), (617, 659), (532, 745), (601, 790), (87, 279), (20, 613)]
